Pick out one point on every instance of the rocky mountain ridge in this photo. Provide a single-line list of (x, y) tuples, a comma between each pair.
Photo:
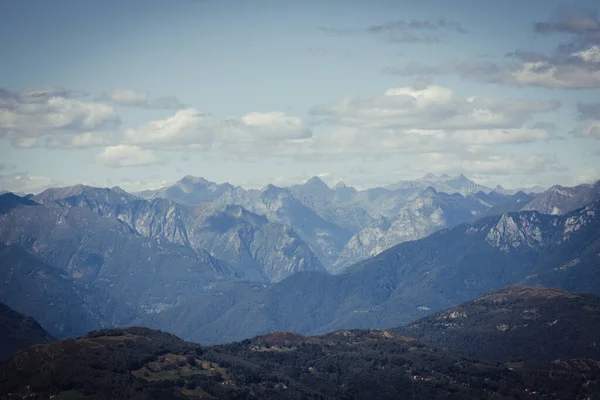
[(340, 225)]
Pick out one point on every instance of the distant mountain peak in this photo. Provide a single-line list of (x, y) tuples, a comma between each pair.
[(317, 182), (443, 183), (189, 179), (340, 185), (429, 191), (271, 189), (119, 190)]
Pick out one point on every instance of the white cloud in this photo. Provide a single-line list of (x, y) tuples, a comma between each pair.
[(186, 127), (425, 120), (25, 183), (257, 127), (489, 164), (589, 175), (132, 98), (578, 75), (140, 184), (270, 134), (402, 120), (432, 107), (127, 97), (575, 70), (25, 142), (501, 136), (127, 156), (81, 140), (574, 64), (47, 111)]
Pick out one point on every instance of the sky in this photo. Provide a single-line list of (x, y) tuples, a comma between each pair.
[(140, 93)]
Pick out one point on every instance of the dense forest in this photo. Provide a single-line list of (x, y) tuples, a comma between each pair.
[(516, 322), (140, 363)]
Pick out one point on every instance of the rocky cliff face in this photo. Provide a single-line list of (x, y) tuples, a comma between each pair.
[(419, 217), (516, 231)]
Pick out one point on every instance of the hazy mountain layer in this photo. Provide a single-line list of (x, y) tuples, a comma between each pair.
[(407, 281)]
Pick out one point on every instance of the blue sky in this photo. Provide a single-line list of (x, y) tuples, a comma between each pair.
[(140, 93)]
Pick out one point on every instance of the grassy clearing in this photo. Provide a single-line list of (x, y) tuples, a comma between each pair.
[(172, 366)]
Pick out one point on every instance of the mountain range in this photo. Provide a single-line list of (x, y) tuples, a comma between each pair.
[(221, 263), (407, 281)]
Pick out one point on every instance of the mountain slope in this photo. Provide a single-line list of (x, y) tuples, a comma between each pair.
[(248, 246), (407, 281), (32, 287), (141, 363), (19, 331), (516, 322), (116, 274)]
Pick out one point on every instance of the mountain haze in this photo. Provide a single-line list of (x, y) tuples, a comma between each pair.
[(250, 261), (407, 281)]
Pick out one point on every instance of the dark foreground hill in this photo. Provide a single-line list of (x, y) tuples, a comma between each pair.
[(140, 363), (18, 331), (516, 322)]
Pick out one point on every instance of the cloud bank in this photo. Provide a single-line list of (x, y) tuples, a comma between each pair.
[(575, 65), (131, 98)]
